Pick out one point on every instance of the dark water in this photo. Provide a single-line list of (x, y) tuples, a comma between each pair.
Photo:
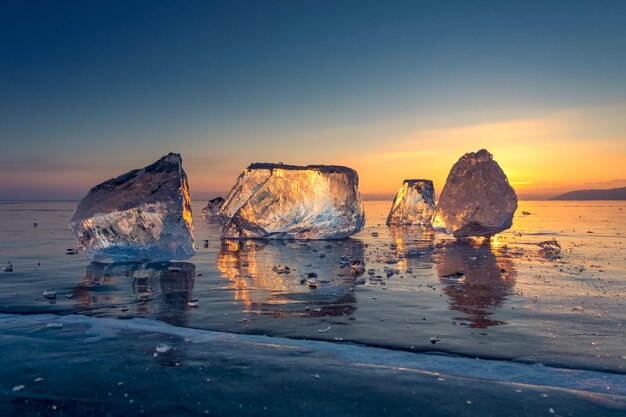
[(548, 328)]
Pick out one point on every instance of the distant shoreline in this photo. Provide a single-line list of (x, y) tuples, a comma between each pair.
[(611, 194)]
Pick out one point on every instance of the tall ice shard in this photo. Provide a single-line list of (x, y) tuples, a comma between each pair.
[(477, 199), (414, 203), (280, 201), (144, 214)]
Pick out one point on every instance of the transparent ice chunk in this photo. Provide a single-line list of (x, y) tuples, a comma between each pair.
[(144, 214), (414, 204), (477, 199), (280, 201)]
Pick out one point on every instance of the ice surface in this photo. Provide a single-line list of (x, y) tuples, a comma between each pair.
[(314, 353), (414, 203), (477, 199), (293, 202), (144, 214), (213, 207)]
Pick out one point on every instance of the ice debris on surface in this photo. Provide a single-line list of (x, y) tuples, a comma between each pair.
[(552, 245), (477, 199), (414, 204), (280, 201), (212, 207), (144, 214), (50, 294)]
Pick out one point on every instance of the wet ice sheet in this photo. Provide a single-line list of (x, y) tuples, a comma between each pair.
[(513, 302), (122, 368)]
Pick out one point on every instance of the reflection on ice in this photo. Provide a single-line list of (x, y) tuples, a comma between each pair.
[(269, 276), (154, 289), (477, 279), (413, 245)]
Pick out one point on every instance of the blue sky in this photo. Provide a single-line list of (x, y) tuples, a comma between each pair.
[(93, 89)]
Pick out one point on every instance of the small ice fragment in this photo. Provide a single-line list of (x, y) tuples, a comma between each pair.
[(174, 268), (163, 348), (312, 281), (54, 325), (454, 278), (18, 388), (69, 295), (50, 294), (279, 269), (35, 224), (39, 379), (414, 203), (434, 339), (213, 207), (477, 199), (577, 308), (278, 201), (193, 303), (414, 252), (8, 268), (124, 308), (324, 330), (526, 213), (550, 245), (357, 267), (71, 251)]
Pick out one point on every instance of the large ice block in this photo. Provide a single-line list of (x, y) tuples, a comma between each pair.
[(414, 203), (144, 214), (477, 199), (280, 201)]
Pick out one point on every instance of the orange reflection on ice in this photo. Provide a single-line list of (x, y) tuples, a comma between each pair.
[(478, 277)]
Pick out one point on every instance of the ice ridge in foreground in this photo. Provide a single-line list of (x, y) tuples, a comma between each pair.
[(582, 380), (144, 214), (280, 201)]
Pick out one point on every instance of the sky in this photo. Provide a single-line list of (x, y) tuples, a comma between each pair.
[(395, 90)]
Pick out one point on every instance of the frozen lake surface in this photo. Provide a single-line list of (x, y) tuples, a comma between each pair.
[(238, 337)]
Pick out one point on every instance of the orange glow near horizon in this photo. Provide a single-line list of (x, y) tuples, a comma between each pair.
[(542, 157), (539, 157)]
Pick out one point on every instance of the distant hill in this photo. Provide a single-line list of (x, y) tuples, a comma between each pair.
[(608, 194)]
